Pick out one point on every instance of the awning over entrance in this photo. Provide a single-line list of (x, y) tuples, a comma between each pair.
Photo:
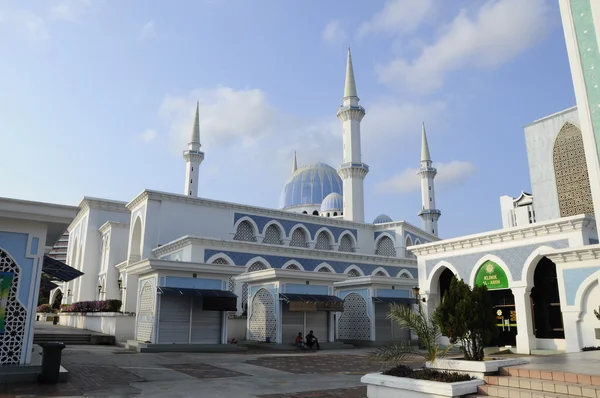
[(212, 300), (394, 300), (312, 302), (57, 270)]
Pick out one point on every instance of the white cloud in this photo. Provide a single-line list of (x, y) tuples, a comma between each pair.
[(71, 10), (334, 33), (398, 16), (25, 22), (148, 31), (148, 135), (499, 31), (454, 172)]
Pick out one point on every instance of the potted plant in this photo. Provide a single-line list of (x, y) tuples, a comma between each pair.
[(401, 380), (466, 317)]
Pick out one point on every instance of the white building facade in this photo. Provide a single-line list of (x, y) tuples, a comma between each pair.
[(185, 264)]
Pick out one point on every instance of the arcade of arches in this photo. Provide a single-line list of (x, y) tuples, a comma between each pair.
[(544, 312)]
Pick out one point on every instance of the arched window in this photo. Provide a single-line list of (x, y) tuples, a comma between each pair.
[(408, 253), (385, 247), (315, 213), (220, 261), (256, 266), (346, 244), (299, 238), (293, 267), (380, 273), (272, 235), (324, 269), (245, 232), (571, 173), (323, 241), (353, 273)]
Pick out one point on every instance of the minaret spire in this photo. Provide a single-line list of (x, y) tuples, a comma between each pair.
[(195, 138), (350, 86), (295, 163), (425, 155), (193, 157), (429, 214), (352, 170)]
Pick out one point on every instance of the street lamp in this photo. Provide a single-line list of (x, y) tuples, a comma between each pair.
[(418, 300), (99, 289), (120, 284)]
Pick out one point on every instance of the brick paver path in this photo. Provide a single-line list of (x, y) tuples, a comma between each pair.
[(202, 370), (355, 392), (320, 364)]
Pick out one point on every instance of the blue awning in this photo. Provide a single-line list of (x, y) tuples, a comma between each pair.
[(310, 298), (187, 292), (57, 270), (394, 300)]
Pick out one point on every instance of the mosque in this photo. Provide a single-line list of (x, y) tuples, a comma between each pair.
[(185, 265)]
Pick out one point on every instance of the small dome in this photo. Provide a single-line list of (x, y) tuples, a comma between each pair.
[(382, 219), (309, 185), (333, 202)]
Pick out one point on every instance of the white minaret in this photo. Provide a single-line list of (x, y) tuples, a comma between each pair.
[(193, 157), (352, 170), (429, 214), (294, 163)]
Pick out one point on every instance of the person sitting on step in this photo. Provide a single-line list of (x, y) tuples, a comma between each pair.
[(299, 342), (311, 341)]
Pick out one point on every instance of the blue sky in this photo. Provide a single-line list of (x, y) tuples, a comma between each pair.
[(97, 97)]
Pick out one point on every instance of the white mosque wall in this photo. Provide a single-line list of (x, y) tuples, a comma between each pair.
[(114, 251), (85, 244), (539, 138)]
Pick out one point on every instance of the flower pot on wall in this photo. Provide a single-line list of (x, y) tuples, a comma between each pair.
[(379, 385), (477, 369)]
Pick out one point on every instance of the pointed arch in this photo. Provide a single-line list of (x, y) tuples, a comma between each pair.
[(324, 267), (384, 246), (567, 155), (380, 271), (353, 271), (299, 236), (347, 243), (431, 283), (293, 265), (324, 239), (532, 261), (405, 274), (587, 284), (492, 258), (245, 230), (257, 260), (273, 233), (220, 256), (135, 245)]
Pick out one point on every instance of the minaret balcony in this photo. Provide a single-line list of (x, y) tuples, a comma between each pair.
[(430, 212), (349, 170), (194, 156), (347, 112)]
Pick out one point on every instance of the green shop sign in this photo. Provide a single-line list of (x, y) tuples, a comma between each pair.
[(491, 275)]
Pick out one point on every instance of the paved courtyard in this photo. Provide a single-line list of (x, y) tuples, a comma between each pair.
[(103, 371)]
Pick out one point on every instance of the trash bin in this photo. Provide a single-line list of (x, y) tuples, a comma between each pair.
[(52, 353), (55, 320)]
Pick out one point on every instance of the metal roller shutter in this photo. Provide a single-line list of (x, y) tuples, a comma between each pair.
[(383, 326), (292, 323), (206, 325), (174, 319), (317, 322)]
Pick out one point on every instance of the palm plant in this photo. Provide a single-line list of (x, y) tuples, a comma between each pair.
[(423, 326), (597, 313)]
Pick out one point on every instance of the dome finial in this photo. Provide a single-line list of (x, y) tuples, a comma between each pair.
[(295, 163)]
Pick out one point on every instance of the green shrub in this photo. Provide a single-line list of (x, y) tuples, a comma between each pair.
[(466, 316)]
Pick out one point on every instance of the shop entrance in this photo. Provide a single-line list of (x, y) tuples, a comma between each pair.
[(506, 318), (494, 278)]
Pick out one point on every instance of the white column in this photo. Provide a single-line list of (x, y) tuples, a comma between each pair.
[(572, 321), (525, 332)]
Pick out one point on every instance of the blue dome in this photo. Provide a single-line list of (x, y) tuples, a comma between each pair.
[(309, 185), (382, 219), (333, 202)]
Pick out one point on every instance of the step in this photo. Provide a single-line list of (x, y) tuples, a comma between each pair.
[(510, 392), (576, 378), (506, 383)]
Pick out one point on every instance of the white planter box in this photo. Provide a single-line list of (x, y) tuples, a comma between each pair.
[(116, 324), (382, 386), (474, 368)]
